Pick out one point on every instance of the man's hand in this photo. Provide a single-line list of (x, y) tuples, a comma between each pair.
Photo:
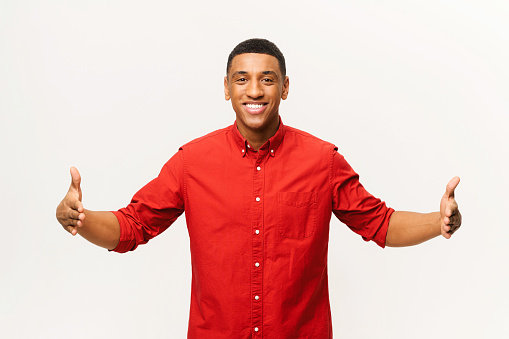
[(450, 217), (70, 210)]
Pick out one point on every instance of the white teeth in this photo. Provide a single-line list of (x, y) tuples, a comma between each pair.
[(254, 106)]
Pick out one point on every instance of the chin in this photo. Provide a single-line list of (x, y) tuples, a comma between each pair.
[(256, 124)]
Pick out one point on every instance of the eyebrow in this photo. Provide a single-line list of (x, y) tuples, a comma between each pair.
[(239, 72), (264, 72), (270, 72)]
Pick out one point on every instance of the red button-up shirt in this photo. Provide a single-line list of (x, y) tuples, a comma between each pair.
[(258, 224)]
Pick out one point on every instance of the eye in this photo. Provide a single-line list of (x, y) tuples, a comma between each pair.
[(267, 80)]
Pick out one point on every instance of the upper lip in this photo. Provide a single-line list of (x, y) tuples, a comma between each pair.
[(254, 103)]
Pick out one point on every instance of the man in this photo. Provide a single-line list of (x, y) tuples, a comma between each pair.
[(258, 198)]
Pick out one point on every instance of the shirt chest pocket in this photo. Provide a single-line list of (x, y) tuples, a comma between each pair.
[(296, 214)]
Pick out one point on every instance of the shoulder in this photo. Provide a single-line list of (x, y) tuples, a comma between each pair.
[(297, 137), (208, 140)]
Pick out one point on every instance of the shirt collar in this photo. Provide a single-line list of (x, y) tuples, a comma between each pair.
[(272, 144)]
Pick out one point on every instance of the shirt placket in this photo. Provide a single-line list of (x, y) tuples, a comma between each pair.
[(257, 245)]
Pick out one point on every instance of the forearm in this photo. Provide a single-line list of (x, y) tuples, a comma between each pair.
[(410, 228), (101, 229)]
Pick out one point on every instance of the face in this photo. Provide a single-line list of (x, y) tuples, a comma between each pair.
[(256, 86)]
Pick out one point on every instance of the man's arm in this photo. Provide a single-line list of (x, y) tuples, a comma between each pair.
[(409, 228), (100, 228)]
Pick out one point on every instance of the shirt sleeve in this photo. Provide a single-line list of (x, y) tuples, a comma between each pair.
[(154, 207), (363, 213)]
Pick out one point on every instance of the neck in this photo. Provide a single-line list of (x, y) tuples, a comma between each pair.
[(257, 138)]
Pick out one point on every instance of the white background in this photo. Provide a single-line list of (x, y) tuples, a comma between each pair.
[(412, 92)]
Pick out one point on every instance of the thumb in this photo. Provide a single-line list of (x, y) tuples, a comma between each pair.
[(451, 186), (76, 179)]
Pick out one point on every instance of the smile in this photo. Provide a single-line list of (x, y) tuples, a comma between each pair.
[(255, 108)]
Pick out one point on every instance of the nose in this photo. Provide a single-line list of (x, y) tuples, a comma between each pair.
[(254, 89)]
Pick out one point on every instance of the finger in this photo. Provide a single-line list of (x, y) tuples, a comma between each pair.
[(451, 186), (78, 206), (453, 223), (445, 233), (446, 228), (75, 178), (81, 219), (72, 203), (71, 222), (73, 214), (72, 229)]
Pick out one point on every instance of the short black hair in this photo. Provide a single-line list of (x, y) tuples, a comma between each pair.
[(261, 46)]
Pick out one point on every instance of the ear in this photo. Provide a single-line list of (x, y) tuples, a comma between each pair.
[(286, 88), (226, 90)]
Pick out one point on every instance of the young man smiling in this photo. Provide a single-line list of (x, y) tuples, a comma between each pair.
[(258, 198), (255, 85)]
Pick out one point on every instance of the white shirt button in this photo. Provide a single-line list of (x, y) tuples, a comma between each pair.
[(257, 297), (248, 146), (256, 329), (243, 151), (257, 264), (271, 151), (257, 231), (258, 168), (257, 198)]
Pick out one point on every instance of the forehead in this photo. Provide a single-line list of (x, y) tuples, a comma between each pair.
[(254, 63)]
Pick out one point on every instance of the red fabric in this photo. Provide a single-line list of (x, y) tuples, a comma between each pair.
[(259, 265)]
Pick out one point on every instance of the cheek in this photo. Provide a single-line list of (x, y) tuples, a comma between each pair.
[(233, 94)]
